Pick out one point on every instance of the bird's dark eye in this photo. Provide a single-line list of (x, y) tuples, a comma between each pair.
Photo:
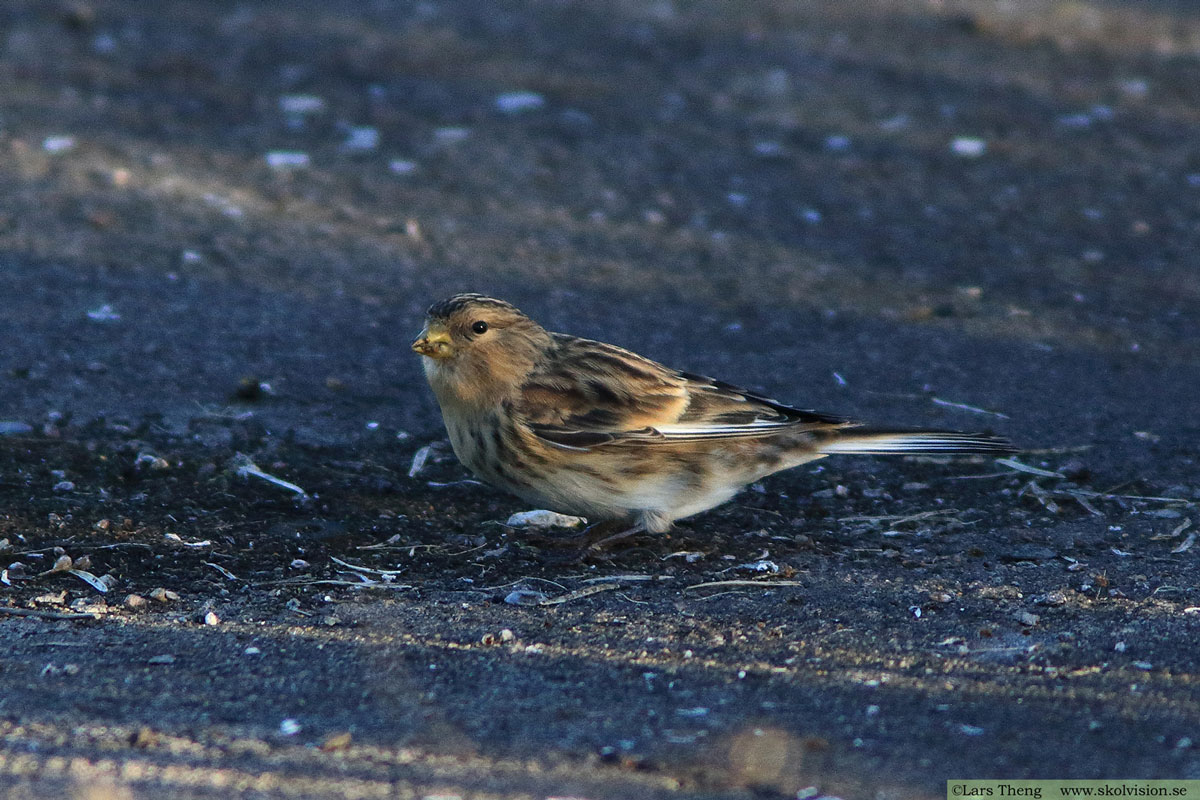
[(479, 327)]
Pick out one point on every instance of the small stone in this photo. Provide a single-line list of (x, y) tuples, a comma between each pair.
[(211, 618), (134, 601), (14, 428), (837, 143), (361, 139), (163, 595), (451, 134), (287, 159), (289, 727), (163, 659), (518, 102), (61, 564), (58, 144), (1050, 599), (968, 147), (301, 104)]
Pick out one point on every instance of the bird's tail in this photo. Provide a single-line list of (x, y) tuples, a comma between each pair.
[(861, 441)]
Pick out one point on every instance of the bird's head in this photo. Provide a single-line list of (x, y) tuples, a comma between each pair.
[(477, 349)]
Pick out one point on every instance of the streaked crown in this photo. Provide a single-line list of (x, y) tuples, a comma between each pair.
[(444, 309)]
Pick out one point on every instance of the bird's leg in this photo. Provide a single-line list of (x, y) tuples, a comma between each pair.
[(646, 522), (612, 531), (596, 538)]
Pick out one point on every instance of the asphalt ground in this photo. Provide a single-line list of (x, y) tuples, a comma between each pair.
[(220, 224)]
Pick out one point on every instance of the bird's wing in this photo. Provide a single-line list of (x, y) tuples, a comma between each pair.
[(588, 394)]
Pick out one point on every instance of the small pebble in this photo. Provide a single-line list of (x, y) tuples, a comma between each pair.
[(300, 104), (104, 44), (289, 727), (58, 144), (163, 659), (134, 601), (837, 143), (968, 147), (14, 428), (287, 159), (769, 149), (517, 102), (361, 139), (211, 618), (451, 134), (1050, 599)]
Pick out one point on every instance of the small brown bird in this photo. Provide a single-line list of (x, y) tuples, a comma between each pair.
[(588, 428)]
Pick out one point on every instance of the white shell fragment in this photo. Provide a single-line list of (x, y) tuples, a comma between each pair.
[(101, 584), (541, 518)]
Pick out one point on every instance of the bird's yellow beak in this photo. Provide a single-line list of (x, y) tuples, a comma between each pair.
[(434, 342)]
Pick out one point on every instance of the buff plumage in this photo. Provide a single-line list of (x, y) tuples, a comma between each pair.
[(588, 428)]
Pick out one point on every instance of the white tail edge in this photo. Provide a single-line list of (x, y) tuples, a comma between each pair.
[(882, 443)]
